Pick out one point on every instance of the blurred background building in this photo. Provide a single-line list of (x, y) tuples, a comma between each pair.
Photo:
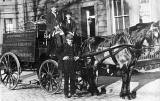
[(14, 14)]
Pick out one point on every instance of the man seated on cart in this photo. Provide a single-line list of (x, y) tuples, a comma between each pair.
[(68, 24), (56, 34)]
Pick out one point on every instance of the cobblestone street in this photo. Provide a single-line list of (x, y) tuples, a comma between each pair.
[(147, 85)]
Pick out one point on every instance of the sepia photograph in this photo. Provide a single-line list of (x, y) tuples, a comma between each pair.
[(79, 50)]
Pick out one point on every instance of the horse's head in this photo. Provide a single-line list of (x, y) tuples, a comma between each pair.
[(153, 33), (145, 35), (139, 34)]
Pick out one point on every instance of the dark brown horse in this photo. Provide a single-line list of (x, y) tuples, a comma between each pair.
[(122, 50)]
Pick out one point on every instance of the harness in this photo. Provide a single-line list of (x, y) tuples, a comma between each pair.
[(113, 57)]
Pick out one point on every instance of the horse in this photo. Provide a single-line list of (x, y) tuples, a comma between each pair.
[(87, 45), (113, 51)]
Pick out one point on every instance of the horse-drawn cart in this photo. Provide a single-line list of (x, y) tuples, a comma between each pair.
[(27, 50)]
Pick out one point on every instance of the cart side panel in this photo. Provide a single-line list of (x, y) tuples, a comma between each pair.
[(21, 44)]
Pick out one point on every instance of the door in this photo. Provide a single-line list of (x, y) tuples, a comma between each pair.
[(88, 21)]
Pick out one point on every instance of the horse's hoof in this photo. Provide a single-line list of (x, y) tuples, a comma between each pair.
[(94, 93), (97, 93), (103, 90), (68, 95), (123, 97), (126, 96), (129, 97), (133, 94), (122, 94)]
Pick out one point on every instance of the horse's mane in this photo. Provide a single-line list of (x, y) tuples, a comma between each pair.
[(132, 35), (139, 31), (106, 41), (139, 27)]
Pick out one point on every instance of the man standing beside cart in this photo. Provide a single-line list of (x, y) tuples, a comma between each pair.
[(69, 67)]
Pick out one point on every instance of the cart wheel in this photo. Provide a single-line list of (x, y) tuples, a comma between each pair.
[(9, 70), (50, 77)]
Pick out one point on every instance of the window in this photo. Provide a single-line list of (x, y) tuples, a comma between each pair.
[(88, 21), (144, 1), (145, 11), (121, 15), (8, 24)]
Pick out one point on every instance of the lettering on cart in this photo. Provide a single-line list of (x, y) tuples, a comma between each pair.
[(19, 44), (25, 54), (20, 35)]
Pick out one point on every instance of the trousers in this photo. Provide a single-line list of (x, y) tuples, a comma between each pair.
[(69, 77)]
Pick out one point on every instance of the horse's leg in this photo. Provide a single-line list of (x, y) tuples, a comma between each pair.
[(123, 92), (131, 95), (129, 74), (92, 83), (126, 79), (96, 91), (84, 79)]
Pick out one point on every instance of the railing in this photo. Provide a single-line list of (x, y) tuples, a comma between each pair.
[(151, 53)]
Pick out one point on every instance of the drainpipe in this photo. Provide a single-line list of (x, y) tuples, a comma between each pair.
[(16, 13), (25, 11)]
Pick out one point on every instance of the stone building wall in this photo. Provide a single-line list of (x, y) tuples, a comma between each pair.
[(100, 15)]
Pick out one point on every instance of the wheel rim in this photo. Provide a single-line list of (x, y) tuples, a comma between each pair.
[(9, 70), (50, 77)]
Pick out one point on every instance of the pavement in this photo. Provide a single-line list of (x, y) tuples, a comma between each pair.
[(147, 85)]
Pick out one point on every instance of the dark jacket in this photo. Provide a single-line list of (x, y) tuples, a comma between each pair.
[(69, 27), (69, 71), (56, 41), (52, 21), (69, 51)]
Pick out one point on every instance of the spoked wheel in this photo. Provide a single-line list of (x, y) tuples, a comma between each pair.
[(50, 77), (9, 70)]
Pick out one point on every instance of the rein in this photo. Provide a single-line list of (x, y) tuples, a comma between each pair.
[(105, 50)]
